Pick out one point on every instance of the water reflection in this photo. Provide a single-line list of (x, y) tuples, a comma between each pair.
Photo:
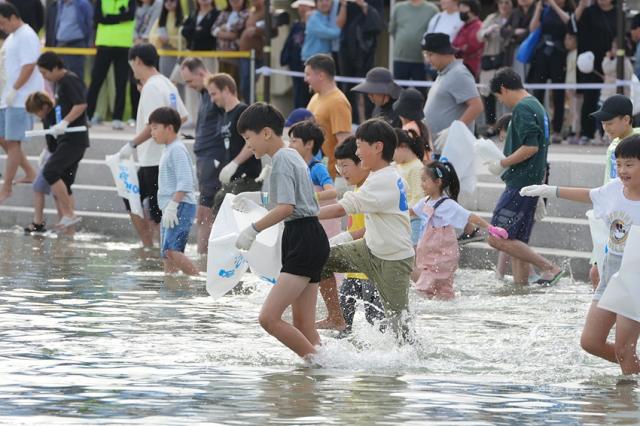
[(92, 332)]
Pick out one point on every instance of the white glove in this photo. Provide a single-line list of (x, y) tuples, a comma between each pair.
[(495, 168), (60, 128), (11, 96), (246, 238), (126, 151), (228, 171), (545, 191), (341, 238), (170, 215), (245, 201), (264, 174)]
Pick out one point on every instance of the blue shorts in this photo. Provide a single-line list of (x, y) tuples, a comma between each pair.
[(14, 122), (176, 238), (516, 214), (40, 184)]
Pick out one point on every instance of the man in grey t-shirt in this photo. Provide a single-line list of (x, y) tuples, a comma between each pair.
[(454, 95)]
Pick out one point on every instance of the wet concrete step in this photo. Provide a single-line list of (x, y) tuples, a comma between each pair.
[(480, 255)]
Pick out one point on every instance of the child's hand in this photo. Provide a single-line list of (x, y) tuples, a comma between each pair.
[(545, 191), (498, 232), (341, 238), (227, 172), (246, 238)]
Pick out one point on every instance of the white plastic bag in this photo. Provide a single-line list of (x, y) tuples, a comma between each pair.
[(488, 151), (125, 176), (622, 294), (226, 264), (459, 151)]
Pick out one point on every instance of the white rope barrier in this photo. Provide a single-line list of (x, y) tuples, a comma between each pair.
[(414, 83)]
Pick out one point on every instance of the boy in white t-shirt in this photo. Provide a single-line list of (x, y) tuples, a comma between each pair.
[(386, 253), (157, 91), (21, 51), (618, 204)]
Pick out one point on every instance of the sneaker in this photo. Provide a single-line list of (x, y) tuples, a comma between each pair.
[(584, 141), (573, 140), (556, 139), (117, 125), (131, 122), (475, 235)]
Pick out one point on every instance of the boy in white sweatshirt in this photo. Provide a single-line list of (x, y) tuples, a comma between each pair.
[(385, 254)]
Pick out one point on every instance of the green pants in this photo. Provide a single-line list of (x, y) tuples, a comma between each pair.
[(392, 278)]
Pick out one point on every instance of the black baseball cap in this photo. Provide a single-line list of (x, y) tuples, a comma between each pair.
[(614, 106)]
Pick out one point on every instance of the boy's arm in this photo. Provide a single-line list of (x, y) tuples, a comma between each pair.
[(328, 193), (332, 211), (275, 215), (178, 196), (580, 195)]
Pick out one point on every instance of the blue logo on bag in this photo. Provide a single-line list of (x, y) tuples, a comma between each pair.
[(404, 204), (124, 177), (238, 261), (267, 279)]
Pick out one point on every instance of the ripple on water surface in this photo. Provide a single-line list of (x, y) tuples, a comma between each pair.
[(92, 332)]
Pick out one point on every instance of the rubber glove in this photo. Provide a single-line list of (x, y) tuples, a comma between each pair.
[(245, 201), (227, 172), (546, 191), (60, 128), (264, 173), (496, 168), (498, 232), (341, 238), (126, 151), (170, 215), (541, 210), (246, 238), (11, 96)]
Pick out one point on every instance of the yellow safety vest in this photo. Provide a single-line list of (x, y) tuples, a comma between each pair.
[(116, 35)]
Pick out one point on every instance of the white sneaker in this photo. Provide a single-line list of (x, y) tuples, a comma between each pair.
[(131, 122), (117, 125)]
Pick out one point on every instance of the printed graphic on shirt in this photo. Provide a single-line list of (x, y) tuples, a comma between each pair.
[(619, 230), (404, 204)]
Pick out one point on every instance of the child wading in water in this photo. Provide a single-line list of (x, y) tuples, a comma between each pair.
[(618, 204), (408, 159), (305, 247), (175, 191), (438, 252)]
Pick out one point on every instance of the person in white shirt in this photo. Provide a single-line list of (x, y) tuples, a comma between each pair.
[(448, 21), (21, 51), (386, 253), (618, 204), (157, 91)]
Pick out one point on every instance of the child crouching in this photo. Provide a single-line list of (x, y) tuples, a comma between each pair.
[(438, 253), (175, 191)]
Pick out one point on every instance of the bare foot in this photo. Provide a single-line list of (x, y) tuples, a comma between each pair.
[(330, 324), (26, 179), (4, 195)]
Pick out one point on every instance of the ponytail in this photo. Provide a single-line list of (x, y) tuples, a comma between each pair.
[(445, 171)]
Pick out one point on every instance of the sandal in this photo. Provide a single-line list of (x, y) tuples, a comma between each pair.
[(550, 281), (67, 221), (35, 227)]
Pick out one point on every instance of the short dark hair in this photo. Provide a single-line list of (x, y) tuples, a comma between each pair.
[(146, 52), (7, 10), (193, 64), (49, 61), (502, 124), (222, 80), (412, 140), (308, 131), (347, 150), (629, 147), (507, 78), (259, 116), (377, 130), (322, 62), (474, 6), (167, 117)]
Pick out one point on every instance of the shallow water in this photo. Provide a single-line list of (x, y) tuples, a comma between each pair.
[(92, 333)]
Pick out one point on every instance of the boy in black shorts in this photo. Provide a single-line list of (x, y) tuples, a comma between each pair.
[(70, 111), (305, 247)]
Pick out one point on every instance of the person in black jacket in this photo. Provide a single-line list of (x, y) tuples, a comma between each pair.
[(197, 28)]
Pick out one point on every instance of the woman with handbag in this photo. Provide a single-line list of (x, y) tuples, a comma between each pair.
[(493, 57), (549, 61)]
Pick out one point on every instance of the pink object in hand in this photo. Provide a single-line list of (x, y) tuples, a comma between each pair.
[(498, 232)]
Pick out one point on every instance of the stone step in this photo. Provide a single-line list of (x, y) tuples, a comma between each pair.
[(480, 255)]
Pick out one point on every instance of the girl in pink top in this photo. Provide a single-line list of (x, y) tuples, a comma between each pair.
[(438, 252)]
